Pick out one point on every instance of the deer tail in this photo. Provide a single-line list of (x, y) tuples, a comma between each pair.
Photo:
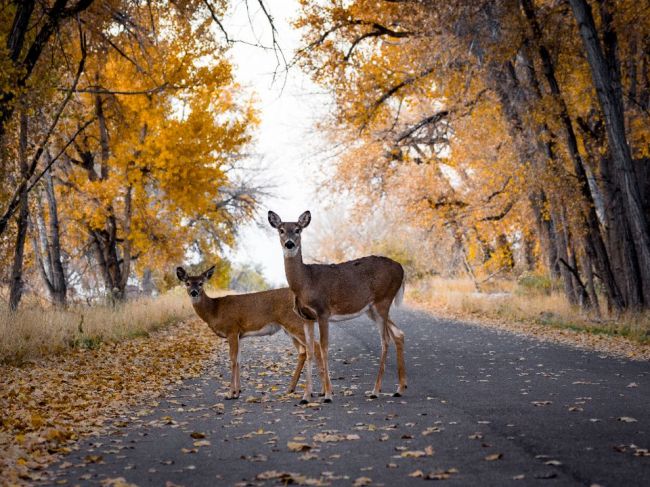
[(399, 297)]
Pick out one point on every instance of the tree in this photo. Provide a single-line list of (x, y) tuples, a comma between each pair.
[(135, 126), (482, 115)]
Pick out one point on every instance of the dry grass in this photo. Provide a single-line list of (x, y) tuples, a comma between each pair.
[(509, 301), (36, 330)]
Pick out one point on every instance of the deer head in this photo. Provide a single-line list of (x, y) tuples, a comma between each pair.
[(194, 284), (289, 232)]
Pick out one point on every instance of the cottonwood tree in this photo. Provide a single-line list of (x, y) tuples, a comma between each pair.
[(523, 133), (134, 122)]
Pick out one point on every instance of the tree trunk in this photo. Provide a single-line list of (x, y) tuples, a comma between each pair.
[(591, 218), (591, 287), (16, 290), (563, 258), (610, 98), (54, 14), (59, 285)]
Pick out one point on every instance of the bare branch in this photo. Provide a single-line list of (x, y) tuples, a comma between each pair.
[(23, 186), (98, 90), (392, 91), (431, 119), (501, 215), (213, 14), (379, 30), (499, 191)]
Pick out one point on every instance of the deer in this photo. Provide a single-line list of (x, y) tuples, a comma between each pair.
[(238, 316), (341, 292)]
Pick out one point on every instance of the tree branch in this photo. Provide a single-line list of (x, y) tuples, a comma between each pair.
[(24, 186)]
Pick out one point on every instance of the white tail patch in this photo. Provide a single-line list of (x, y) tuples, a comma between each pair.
[(399, 297)]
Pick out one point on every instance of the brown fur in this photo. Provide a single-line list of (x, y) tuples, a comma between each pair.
[(369, 284), (236, 316)]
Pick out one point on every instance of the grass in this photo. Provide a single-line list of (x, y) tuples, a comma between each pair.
[(37, 329), (532, 299)]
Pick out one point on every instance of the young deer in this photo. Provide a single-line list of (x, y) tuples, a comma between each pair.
[(339, 292), (255, 314)]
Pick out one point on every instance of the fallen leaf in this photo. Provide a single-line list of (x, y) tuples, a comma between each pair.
[(440, 474), (117, 482), (427, 452), (494, 456), (541, 403), (295, 446), (362, 481), (93, 458), (627, 419), (332, 438)]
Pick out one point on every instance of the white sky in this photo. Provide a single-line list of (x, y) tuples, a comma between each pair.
[(286, 138)]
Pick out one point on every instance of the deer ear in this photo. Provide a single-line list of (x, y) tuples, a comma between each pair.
[(208, 274), (274, 219), (304, 219), (181, 274)]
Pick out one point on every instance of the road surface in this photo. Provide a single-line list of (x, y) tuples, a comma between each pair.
[(483, 407)]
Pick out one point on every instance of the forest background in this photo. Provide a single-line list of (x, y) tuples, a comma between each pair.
[(498, 149)]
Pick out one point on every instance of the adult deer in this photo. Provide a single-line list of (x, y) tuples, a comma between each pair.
[(255, 314), (339, 292)]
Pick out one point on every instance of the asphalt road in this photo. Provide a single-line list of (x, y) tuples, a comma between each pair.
[(483, 408)]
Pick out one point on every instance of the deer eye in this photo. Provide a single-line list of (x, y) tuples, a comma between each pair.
[(298, 230), (187, 284), (200, 284), (282, 231)]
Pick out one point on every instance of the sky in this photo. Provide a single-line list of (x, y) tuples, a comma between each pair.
[(289, 147)]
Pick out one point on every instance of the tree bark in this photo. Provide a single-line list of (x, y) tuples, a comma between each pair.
[(53, 16), (590, 216), (604, 76), (16, 289), (59, 284)]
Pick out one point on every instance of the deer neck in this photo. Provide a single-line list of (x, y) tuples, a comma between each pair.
[(205, 306), (295, 270)]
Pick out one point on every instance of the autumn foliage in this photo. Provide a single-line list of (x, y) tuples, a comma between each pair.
[(121, 129), (513, 135)]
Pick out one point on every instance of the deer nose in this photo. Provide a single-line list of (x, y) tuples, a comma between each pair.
[(289, 244), (194, 293)]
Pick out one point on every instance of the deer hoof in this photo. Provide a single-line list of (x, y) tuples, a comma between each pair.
[(327, 400), (397, 394), (291, 391), (303, 401), (373, 396)]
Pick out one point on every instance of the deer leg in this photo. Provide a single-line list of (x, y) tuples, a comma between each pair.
[(380, 316), (302, 355), (382, 364), (323, 329), (233, 343), (321, 370), (398, 337), (309, 346)]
